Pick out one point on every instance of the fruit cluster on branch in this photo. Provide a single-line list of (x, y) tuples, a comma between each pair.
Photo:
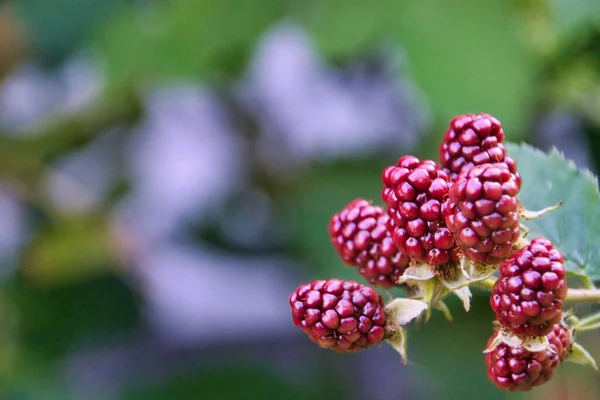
[(446, 226)]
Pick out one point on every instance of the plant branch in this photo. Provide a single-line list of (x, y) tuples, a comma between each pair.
[(589, 323), (583, 295)]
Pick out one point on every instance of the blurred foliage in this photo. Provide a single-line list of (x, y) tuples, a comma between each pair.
[(58, 28), (463, 57), (233, 383), (51, 323), (74, 249), (518, 60), (184, 39)]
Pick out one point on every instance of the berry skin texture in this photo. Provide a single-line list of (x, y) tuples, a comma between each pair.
[(528, 296), (361, 239), (414, 191), (482, 212), (473, 139), (517, 369), (343, 316)]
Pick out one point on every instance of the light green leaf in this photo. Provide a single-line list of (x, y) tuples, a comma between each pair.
[(184, 39), (575, 227), (580, 355)]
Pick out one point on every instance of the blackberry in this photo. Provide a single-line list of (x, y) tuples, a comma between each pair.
[(528, 296), (473, 139), (414, 191), (361, 239), (517, 369), (343, 316), (483, 212)]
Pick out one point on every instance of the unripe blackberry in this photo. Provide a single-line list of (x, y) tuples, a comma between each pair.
[(562, 339), (473, 139), (517, 369), (528, 296), (414, 191), (343, 316), (482, 212), (359, 235)]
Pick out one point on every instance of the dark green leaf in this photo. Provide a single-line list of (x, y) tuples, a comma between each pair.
[(54, 320), (575, 227), (59, 27)]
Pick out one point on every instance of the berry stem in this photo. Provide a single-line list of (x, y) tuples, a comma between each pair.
[(487, 283), (583, 295), (589, 323)]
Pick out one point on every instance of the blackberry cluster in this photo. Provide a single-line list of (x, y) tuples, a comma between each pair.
[(463, 212)]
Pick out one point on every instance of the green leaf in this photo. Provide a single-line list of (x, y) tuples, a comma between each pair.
[(54, 319), (184, 39), (575, 227)]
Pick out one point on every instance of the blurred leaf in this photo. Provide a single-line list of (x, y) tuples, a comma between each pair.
[(54, 320), (574, 17), (465, 56), (59, 27), (75, 250), (575, 227), (184, 38), (344, 28), (235, 383), (32, 384)]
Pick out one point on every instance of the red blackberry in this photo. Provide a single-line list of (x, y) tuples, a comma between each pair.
[(528, 296), (473, 139), (360, 237), (414, 191), (343, 316), (517, 369), (482, 212)]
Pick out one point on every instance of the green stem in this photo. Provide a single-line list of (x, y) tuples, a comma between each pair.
[(583, 295), (589, 323), (487, 283)]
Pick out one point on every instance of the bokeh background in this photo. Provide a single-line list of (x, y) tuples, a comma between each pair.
[(168, 169)]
